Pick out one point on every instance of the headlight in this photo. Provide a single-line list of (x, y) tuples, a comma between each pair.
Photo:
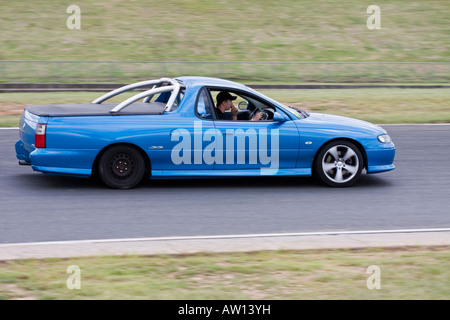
[(384, 138)]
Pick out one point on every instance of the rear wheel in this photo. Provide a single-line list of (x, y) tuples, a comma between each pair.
[(339, 163), (121, 167)]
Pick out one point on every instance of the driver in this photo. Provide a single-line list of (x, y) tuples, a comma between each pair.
[(225, 103)]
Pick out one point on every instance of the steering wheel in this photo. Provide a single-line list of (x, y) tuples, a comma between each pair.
[(265, 113)]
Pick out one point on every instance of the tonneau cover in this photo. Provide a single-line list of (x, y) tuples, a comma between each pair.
[(93, 109)]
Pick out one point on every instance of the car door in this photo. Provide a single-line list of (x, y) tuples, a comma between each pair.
[(265, 145), (178, 142)]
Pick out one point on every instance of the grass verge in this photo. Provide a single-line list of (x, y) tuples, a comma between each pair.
[(378, 105), (405, 273)]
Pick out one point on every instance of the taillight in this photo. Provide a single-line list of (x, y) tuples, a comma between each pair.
[(39, 135)]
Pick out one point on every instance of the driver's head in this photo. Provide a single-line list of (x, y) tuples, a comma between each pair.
[(224, 96)]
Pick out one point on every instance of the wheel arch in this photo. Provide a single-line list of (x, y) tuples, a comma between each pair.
[(355, 142), (141, 151)]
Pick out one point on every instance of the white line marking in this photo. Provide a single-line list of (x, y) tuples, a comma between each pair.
[(14, 128), (235, 236)]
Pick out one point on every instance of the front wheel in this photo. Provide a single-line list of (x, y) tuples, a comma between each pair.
[(339, 163), (121, 167)]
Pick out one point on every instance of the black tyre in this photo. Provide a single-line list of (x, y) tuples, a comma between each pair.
[(339, 163), (121, 167)]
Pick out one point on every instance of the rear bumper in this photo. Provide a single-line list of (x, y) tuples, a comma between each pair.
[(22, 154), (77, 162), (74, 172)]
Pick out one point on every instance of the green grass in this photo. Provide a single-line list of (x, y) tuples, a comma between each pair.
[(374, 105), (246, 30), (406, 273)]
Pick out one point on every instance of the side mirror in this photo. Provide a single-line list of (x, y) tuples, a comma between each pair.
[(243, 105), (280, 117)]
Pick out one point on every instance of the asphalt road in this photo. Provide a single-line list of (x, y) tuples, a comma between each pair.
[(35, 207)]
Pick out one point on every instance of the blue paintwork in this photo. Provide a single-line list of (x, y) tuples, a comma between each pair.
[(74, 143)]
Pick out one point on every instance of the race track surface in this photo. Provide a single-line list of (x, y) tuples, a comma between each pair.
[(35, 207)]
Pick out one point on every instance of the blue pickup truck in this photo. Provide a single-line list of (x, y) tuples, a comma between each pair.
[(193, 127)]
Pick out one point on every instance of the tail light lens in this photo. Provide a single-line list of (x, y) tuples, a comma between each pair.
[(39, 135)]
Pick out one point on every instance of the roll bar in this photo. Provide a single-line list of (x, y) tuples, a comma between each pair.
[(157, 88)]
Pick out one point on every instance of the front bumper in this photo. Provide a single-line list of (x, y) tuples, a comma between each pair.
[(381, 160)]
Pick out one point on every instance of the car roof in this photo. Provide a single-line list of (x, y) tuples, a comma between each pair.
[(209, 81)]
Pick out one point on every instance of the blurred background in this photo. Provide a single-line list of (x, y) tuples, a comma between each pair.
[(302, 43), (285, 41)]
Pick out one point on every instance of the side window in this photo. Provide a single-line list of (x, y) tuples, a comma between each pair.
[(204, 110)]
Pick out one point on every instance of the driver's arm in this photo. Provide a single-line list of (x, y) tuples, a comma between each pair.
[(234, 112), (257, 117)]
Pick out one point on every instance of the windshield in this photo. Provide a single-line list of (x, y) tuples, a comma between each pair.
[(299, 113)]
